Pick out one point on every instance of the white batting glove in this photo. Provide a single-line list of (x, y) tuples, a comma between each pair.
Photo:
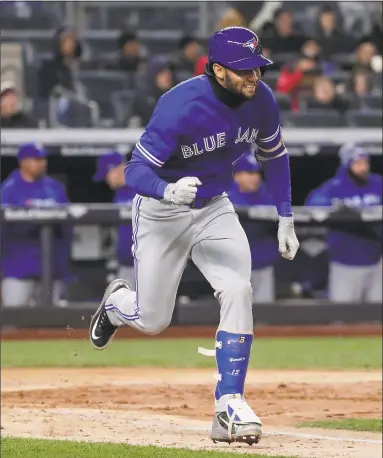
[(183, 192), (288, 242)]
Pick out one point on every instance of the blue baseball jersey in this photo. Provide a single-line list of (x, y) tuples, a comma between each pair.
[(356, 248), (261, 235), (124, 195), (193, 133), (21, 249)]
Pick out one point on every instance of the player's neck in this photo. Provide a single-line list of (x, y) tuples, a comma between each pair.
[(224, 95)]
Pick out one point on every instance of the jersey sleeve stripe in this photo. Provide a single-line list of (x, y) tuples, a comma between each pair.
[(263, 159), (149, 156), (271, 150), (272, 137)]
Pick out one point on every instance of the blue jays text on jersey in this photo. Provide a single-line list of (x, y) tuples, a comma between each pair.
[(193, 133), (353, 245), (21, 249)]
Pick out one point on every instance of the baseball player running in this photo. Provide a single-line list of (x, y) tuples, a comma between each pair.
[(180, 170)]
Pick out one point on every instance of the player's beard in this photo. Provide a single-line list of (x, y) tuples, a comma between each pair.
[(237, 88)]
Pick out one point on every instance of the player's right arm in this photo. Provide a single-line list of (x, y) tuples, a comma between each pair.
[(155, 147)]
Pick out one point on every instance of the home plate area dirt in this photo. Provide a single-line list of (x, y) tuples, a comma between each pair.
[(173, 408)]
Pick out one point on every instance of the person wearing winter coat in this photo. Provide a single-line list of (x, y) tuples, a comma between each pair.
[(355, 250), (21, 258)]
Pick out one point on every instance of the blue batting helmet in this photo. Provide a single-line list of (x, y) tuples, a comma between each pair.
[(237, 48)]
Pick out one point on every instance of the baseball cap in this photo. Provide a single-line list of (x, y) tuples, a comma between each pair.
[(247, 163), (31, 150), (351, 152), (106, 162)]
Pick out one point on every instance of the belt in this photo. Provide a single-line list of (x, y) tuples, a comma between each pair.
[(201, 202)]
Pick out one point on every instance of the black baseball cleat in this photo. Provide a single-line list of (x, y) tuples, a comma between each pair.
[(101, 330)]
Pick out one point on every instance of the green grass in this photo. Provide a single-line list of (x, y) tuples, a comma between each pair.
[(37, 448), (286, 353), (373, 425)]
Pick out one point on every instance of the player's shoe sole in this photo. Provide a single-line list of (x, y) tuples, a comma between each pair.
[(250, 433), (101, 330)]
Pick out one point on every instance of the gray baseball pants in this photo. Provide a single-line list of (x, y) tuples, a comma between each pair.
[(355, 283), (163, 237), (263, 284)]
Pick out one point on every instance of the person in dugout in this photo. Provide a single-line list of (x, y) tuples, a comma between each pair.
[(248, 189), (110, 168), (355, 250), (21, 261)]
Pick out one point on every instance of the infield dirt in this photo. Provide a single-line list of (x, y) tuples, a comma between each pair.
[(173, 408)]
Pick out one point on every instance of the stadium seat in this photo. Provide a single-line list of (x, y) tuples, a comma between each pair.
[(313, 118), (280, 59), (358, 118), (100, 85), (372, 102), (284, 101), (270, 78), (122, 103)]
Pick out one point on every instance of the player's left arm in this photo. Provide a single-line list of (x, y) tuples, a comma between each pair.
[(272, 155)]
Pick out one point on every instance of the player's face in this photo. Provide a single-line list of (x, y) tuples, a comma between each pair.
[(361, 168), (248, 181), (242, 82), (115, 177), (34, 167), (9, 103)]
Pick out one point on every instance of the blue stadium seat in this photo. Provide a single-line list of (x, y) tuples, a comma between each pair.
[(313, 118), (359, 118)]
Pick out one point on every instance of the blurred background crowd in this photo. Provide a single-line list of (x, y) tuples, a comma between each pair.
[(117, 58), (105, 65)]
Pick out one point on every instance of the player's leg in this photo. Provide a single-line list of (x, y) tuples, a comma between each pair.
[(373, 291), (263, 284), (345, 283), (16, 292), (127, 273), (221, 251), (161, 246)]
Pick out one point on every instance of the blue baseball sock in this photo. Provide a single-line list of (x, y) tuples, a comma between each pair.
[(232, 356)]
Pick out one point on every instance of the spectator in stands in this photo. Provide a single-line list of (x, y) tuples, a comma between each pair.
[(253, 15), (330, 36), (56, 75), (358, 86), (355, 249), (12, 115), (21, 257), (325, 96), (312, 50), (110, 168), (364, 55), (376, 35), (189, 50), (297, 79), (161, 79), (248, 189), (280, 36), (200, 65), (132, 55)]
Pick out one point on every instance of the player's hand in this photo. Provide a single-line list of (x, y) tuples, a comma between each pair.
[(288, 242), (183, 192)]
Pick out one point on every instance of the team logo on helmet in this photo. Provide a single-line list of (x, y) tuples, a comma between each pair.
[(251, 44)]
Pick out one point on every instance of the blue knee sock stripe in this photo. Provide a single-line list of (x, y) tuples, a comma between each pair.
[(232, 356)]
